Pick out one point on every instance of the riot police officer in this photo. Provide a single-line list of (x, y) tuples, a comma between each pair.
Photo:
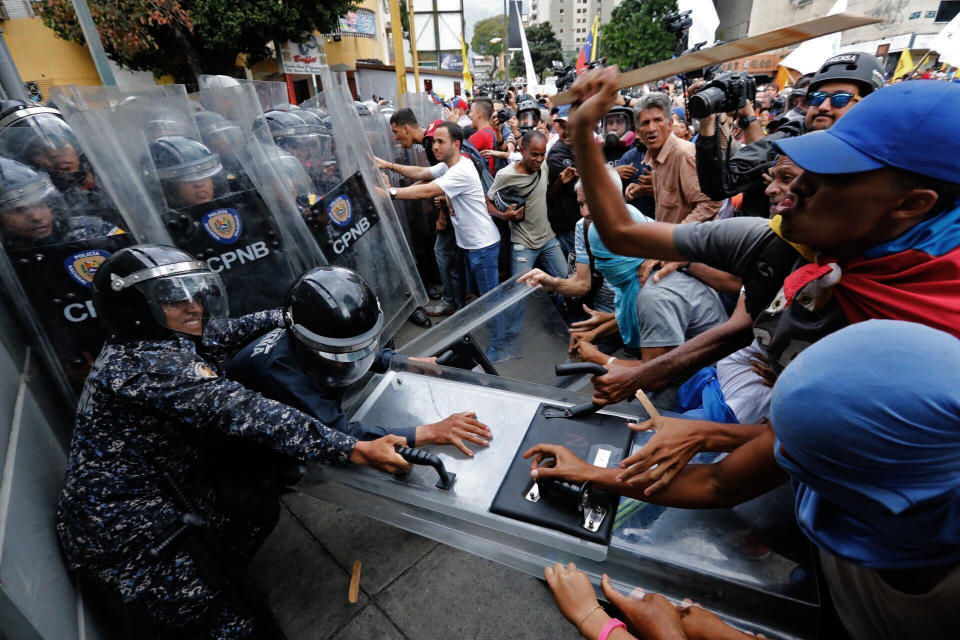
[(141, 513), (39, 137), (188, 171), (224, 138), (528, 115), (331, 339), (309, 142), (33, 212)]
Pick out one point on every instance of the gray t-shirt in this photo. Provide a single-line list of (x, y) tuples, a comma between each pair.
[(534, 230), (748, 248), (676, 309)]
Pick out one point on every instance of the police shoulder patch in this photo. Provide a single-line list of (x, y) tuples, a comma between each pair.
[(340, 211), (204, 371), (223, 225), (83, 265)]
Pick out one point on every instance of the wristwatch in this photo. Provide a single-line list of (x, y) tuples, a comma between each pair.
[(745, 121), (393, 193)]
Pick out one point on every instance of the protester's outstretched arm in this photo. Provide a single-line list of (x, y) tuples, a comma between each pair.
[(748, 472), (410, 171), (594, 93)]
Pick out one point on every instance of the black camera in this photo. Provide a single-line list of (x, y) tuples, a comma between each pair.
[(727, 92), (505, 114)]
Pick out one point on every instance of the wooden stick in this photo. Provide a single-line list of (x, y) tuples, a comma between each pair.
[(645, 401), (354, 583), (737, 49)]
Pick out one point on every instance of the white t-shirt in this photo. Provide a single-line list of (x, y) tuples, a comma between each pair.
[(472, 224)]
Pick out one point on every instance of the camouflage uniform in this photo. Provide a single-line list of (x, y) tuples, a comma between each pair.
[(138, 464)]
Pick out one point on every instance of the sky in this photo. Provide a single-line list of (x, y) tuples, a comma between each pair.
[(474, 11)]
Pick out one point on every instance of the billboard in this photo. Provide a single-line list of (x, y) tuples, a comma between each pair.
[(306, 57)]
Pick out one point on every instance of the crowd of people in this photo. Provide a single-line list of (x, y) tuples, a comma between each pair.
[(785, 275)]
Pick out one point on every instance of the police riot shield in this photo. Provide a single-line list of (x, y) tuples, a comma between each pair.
[(52, 248), (750, 565), (355, 222), (190, 196), (423, 107)]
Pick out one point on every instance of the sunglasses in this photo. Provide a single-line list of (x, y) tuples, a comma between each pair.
[(839, 100)]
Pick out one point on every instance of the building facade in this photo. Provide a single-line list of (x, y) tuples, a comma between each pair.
[(571, 20)]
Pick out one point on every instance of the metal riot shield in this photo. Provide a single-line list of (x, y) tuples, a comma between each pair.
[(52, 248), (356, 223), (189, 198), (750, 564)]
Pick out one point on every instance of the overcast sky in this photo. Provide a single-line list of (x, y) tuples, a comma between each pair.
[(474, 11)]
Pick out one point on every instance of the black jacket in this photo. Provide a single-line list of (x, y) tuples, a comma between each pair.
[(721, 177)]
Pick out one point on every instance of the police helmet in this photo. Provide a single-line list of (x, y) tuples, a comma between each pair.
[(21, 186), (30, 205), (183, 159), (217, 82), (528, 114), (289, 128), (861, 68), (37, 136), (214, 128), (335, 321), (151, 291)]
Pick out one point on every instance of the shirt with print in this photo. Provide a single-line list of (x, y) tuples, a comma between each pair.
[(676, 187), (472, 224), (748, 247), (534, 230)]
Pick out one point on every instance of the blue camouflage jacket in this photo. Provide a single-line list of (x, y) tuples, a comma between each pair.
[(141, 422)]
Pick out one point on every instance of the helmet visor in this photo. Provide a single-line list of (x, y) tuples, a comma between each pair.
[(527, 119), (336, 370), (615, 123), (186, 303)]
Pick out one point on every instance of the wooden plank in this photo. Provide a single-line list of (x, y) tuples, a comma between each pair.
[(354, 583), (645, 401), (737, 49)]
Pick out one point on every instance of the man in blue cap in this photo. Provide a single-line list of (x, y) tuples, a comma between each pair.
[(870, 229)]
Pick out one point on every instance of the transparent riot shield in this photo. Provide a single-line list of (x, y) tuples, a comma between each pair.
[(192, 197), (425, 109), (750, 565), (355, 222), (52, 247)]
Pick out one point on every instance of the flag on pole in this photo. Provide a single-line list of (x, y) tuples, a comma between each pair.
[(533, 84), (947, 42), (808, 57), (783, 77), (904, 64), (586, 53), (595, 44), (467, 77)]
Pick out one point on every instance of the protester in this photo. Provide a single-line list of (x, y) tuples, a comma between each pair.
[(562, 208), (724, 174), (484, 138), (676, 188)]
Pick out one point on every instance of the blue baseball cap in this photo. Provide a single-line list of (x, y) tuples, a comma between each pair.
[(910, 125), (563, 112)]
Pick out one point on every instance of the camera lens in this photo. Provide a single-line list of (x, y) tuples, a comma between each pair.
[(706, 102)]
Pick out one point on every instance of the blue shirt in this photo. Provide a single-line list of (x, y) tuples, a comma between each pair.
[(269, 365), (634, 157)]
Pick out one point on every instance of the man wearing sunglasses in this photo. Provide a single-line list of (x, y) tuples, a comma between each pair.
[(837, 86)]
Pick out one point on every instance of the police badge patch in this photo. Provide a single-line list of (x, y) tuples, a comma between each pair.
[(204, 371), (340, 211), (223, 225), (83, 266)]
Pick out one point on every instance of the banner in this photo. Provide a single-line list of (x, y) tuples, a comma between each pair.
[(947, 42), (359, 22), (467, 77), (808, 57)]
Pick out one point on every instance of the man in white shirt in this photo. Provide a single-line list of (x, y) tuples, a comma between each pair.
[(456, 178)]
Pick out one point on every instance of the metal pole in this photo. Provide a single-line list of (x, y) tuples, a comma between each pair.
[(92, 36), (396, 28), (9, 76), (413, 47)]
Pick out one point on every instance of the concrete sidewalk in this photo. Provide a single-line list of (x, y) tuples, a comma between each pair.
[(410, 587)]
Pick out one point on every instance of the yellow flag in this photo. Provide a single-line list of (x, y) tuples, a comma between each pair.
[(467, 78), (904, 64), (596, 43), (783, 77)]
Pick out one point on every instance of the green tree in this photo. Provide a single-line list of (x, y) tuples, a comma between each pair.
[(635, 36), (483, 32), (189, 37), (544, 49)]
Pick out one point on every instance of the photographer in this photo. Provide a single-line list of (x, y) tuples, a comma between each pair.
[(844, 79)]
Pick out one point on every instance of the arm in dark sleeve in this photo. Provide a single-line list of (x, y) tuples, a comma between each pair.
[(722, 178), (729, 245), (180, 385), (236, 332)]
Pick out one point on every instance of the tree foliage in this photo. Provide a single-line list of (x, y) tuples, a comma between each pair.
[(635, 37), (187, 37), (544, 49), (486, 30)]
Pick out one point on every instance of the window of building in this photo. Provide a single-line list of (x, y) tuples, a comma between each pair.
[(33, 90), (947, 11)]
